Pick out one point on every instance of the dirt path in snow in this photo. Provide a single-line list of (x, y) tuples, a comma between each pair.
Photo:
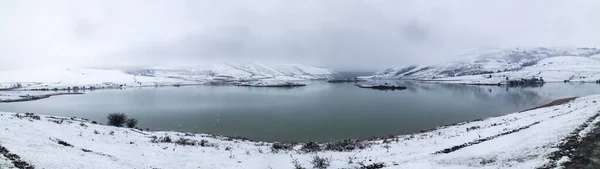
[(586, 153)]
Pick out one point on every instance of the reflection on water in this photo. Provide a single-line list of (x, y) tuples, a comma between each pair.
[(318, 112)]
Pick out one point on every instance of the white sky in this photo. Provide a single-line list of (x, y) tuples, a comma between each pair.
[(339, 34)]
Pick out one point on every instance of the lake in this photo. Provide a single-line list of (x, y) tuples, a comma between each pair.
[(317, 112)]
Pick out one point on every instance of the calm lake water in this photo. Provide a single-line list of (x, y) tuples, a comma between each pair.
[(318, 112)]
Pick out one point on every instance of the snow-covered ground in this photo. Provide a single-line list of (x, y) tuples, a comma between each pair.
[(518, 140), (551, 64), (157, 76), (555, 69)]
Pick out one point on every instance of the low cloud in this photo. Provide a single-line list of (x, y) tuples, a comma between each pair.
[(339, 34)]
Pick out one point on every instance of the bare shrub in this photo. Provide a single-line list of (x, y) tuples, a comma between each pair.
[(116, 119), (346, 145), (186, 142), (310, 147), (296, 163), (373, 166), (281, 146), (165, 139), (205, 143), (131, 123), (320, 163)]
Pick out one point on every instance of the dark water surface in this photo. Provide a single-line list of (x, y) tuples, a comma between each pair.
[(317, 112)]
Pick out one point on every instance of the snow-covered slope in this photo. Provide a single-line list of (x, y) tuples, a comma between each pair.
[(522, 140), (555, 69), (245, 71), (157, 76), (484, 61)]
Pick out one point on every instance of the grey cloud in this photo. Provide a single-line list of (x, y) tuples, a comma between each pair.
[(339, 34)]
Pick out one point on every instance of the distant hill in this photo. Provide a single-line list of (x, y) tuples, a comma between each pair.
[(514, 63)]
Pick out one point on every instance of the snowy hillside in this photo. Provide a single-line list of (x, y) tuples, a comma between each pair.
[(555, 69), (483, 61), (524, 140), (237, 72), (157, 76)]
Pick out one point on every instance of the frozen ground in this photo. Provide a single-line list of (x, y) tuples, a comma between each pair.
[(525, 140)]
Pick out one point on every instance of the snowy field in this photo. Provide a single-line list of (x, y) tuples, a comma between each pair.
[(518, 140)]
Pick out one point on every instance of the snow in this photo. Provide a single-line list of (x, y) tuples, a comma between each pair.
[(484, 61), (555, 69), (61, 78), (538, 133)]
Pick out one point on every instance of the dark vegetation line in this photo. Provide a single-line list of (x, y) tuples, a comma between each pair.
[(553, 103), (578, 151), (458, 147), (587, 155), (64, 143), (15, 159), (556, 102)]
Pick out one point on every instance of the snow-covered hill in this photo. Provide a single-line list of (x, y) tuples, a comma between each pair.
[(158, 76), (245, 71), (487, 61), (555, 69)]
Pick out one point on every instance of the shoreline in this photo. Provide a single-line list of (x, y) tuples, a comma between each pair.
[(483, 143), (38, 97), (372, 138)]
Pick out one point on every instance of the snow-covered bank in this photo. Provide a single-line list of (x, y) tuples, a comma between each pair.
[(519, 140)]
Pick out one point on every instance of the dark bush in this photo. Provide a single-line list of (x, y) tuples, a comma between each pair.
[(186, 142), (116, 119), (64, 143), (373, 166), (165, 139), (281, 146), (320, 163), (310, 147), (131, 123), (296, 163), (346, 145)]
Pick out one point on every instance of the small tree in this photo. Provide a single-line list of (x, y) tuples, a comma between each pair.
[(131, 123), (116, 119)]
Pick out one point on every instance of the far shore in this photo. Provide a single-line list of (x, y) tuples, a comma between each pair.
[(38, 97)]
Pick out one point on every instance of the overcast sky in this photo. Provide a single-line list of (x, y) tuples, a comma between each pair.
[(338, 34)]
